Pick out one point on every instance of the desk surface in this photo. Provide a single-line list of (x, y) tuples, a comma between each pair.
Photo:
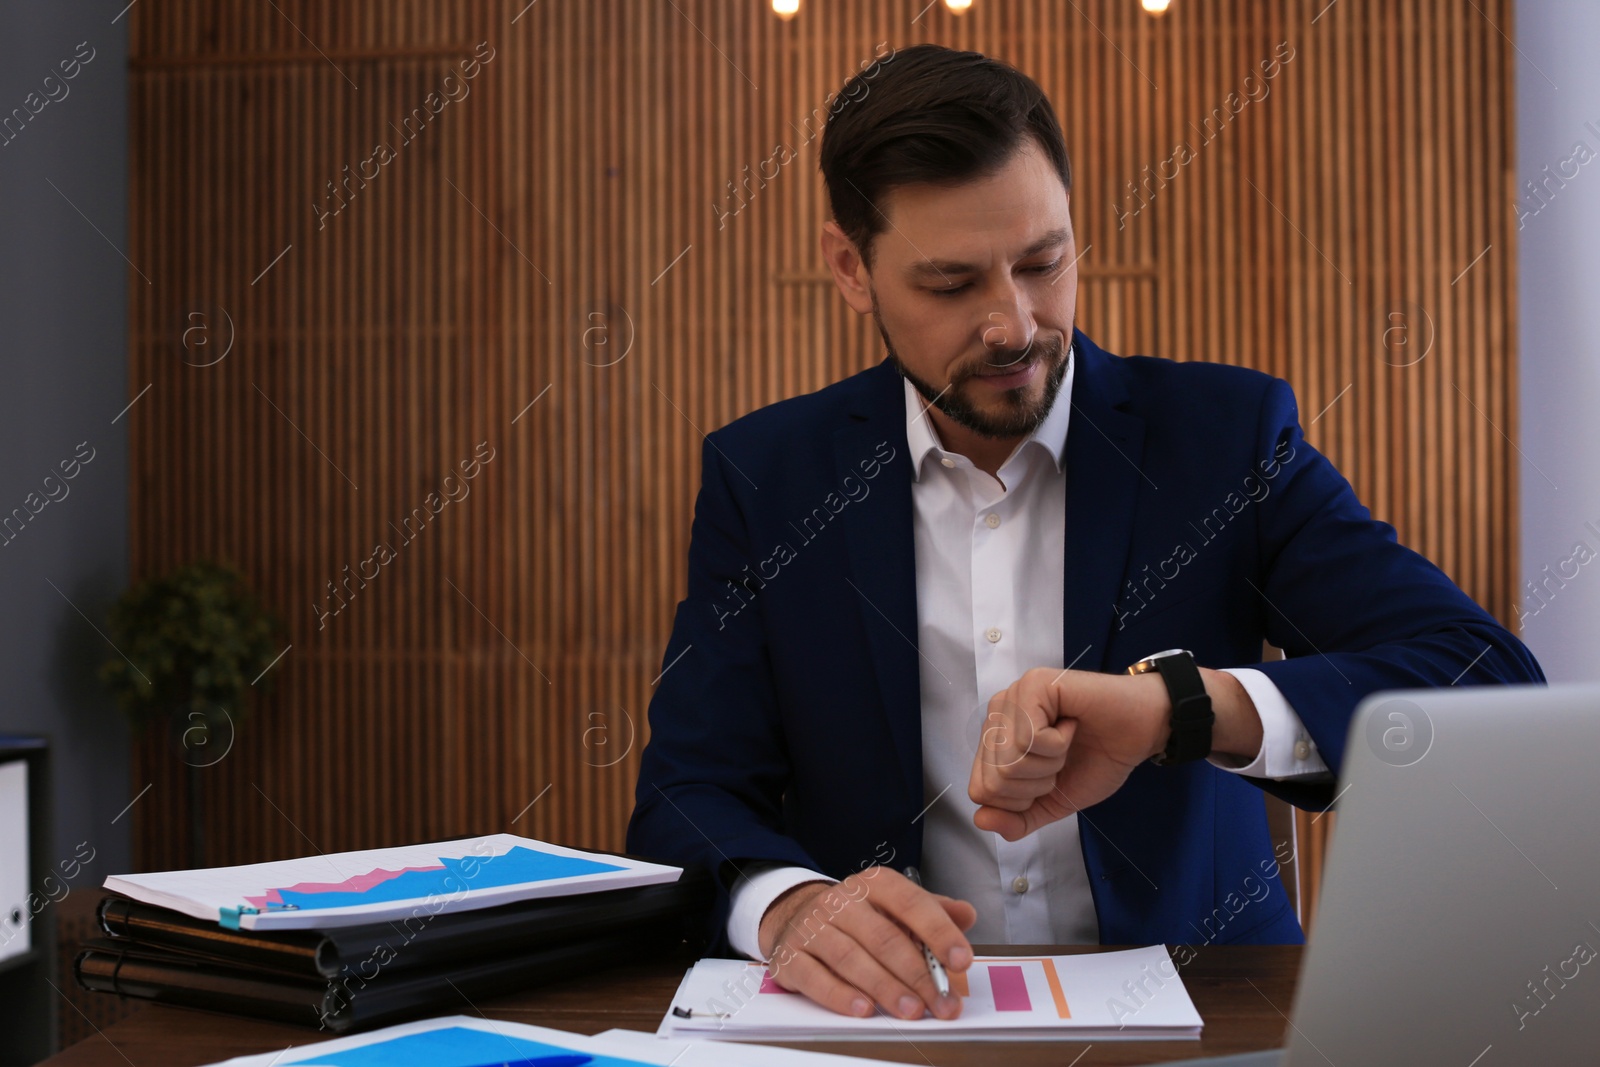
[(1243, 993)]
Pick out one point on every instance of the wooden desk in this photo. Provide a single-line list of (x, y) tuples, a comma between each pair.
[(1243, 993)]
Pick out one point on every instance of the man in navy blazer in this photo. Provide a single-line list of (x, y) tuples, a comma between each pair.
[(1183, 508)]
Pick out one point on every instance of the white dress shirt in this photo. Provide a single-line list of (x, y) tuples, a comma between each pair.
[(990, 555)]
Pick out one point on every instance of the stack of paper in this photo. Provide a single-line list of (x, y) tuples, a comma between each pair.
[(1135, 994), (354, 940)]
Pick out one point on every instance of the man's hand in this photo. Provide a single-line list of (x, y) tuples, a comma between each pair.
[(1056, 742), (850, 945)]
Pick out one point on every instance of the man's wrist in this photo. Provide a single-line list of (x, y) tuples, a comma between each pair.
[(1156, 707), (1237, 731), (781, 911), (752, 897)]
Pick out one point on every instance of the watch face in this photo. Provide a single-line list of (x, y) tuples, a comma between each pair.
[(1148, 664)]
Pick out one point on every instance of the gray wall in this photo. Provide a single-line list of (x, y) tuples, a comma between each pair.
[(63, 378), (1558, 109)]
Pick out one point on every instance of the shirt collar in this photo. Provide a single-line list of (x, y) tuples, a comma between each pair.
[(922, 438)]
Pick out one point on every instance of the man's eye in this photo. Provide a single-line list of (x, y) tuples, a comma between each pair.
[(1043, 268)]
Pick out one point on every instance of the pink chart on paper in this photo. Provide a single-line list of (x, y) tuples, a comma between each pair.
[(517, 866)]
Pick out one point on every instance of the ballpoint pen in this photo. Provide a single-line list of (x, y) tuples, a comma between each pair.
[(941, 980)]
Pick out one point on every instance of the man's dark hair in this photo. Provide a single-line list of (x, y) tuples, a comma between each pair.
[(928, 114)]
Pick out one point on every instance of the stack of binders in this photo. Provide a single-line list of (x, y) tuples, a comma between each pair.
[(342, 977)]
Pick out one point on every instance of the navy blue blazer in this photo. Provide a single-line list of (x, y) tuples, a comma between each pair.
[(787, 724)]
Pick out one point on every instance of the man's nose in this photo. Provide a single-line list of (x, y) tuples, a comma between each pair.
[(1009, 327)]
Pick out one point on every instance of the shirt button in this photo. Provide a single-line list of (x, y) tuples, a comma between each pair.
[(992, 520), (948, 462), (992, 634), (1302, 750), (1020, 884)]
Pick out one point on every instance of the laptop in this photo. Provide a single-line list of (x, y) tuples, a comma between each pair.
[(1460, 916)]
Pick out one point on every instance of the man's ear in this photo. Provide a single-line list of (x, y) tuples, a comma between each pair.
[(844, 262)]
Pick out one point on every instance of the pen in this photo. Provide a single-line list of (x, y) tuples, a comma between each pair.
[(941, 981)]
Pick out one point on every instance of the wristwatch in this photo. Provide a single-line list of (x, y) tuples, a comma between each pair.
[(1192, 716)]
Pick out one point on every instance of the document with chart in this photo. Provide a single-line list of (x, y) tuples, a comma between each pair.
[(1132, 993), (347, 888), (463, 1041)]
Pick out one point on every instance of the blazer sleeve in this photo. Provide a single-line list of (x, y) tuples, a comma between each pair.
[(713, 775), (1354, 610)]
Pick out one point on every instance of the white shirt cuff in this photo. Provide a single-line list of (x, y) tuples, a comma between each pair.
[(1287, 750), (752, 897)]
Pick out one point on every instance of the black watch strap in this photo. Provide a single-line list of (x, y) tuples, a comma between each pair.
[(1192, 714)]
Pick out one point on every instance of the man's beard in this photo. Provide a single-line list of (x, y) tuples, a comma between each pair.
[(1020, 416)]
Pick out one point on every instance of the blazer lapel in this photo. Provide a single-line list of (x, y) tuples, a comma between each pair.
[(1105, 446), (883, 571)]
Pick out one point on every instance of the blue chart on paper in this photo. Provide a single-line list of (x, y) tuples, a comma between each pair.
[(517, 866), (454, 1046)]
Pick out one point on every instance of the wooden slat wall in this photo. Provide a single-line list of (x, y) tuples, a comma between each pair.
[(560, 218)]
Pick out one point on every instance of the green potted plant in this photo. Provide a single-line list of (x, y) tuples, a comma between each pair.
[(192, 647)]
